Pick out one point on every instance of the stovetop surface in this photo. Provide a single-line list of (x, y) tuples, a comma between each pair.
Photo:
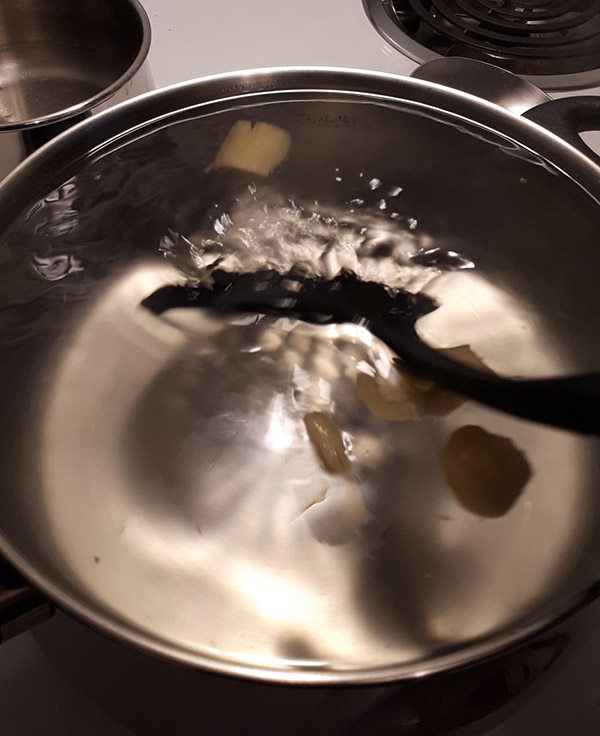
[(555, 43), (193, 39), (565, 699)]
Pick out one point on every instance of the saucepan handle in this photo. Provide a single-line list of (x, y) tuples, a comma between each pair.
[(483, 80), (568, 118), (21, 607)]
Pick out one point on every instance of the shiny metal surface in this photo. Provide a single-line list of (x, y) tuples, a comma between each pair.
[(161, 486), (383, 17), (485, 81), (59, 62)]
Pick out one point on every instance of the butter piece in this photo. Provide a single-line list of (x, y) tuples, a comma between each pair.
[(256, 149)]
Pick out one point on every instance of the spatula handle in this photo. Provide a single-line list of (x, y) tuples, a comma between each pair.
[(571, 403)]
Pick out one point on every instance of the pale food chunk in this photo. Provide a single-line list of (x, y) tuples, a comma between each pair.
[(256, 149), (405, 396)]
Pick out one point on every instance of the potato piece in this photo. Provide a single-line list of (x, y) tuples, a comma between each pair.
[(257, 148), (464, 354), (430, 399), (385, 400), (408, 396), (327, 440), (486, 472), (433, 400)]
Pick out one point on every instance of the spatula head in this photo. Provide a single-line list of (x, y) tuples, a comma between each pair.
[(344, 298)]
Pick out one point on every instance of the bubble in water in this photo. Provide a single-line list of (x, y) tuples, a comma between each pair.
[(395, 191), (55, 268), (412, 223), (382, 204), (374, 184), (63, 192), (168, 243), (445, 260)]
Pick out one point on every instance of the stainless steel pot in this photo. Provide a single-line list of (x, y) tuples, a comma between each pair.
[(60, 62), (129, 509), (151, 696)]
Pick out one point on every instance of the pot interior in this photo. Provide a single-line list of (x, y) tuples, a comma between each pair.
[(55, 56), (158, 473)]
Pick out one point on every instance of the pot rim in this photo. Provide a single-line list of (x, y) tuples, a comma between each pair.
[(254, 82), (57, 159)]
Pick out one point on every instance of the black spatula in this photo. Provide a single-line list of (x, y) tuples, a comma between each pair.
[(390, 314)]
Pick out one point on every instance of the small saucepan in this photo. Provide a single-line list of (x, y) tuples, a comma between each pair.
[(62, 62)]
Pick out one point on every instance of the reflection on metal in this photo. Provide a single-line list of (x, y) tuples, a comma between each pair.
[(193, 477), (49, 81), (140, 491), (485, 81)]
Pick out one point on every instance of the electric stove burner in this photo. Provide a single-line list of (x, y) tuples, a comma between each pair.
[(555, 42)]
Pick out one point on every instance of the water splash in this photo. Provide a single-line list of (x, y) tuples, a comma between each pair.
[(269, 229)]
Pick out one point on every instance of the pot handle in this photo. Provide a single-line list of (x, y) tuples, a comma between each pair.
[(483, 80), (21, 607), (568, 117)]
